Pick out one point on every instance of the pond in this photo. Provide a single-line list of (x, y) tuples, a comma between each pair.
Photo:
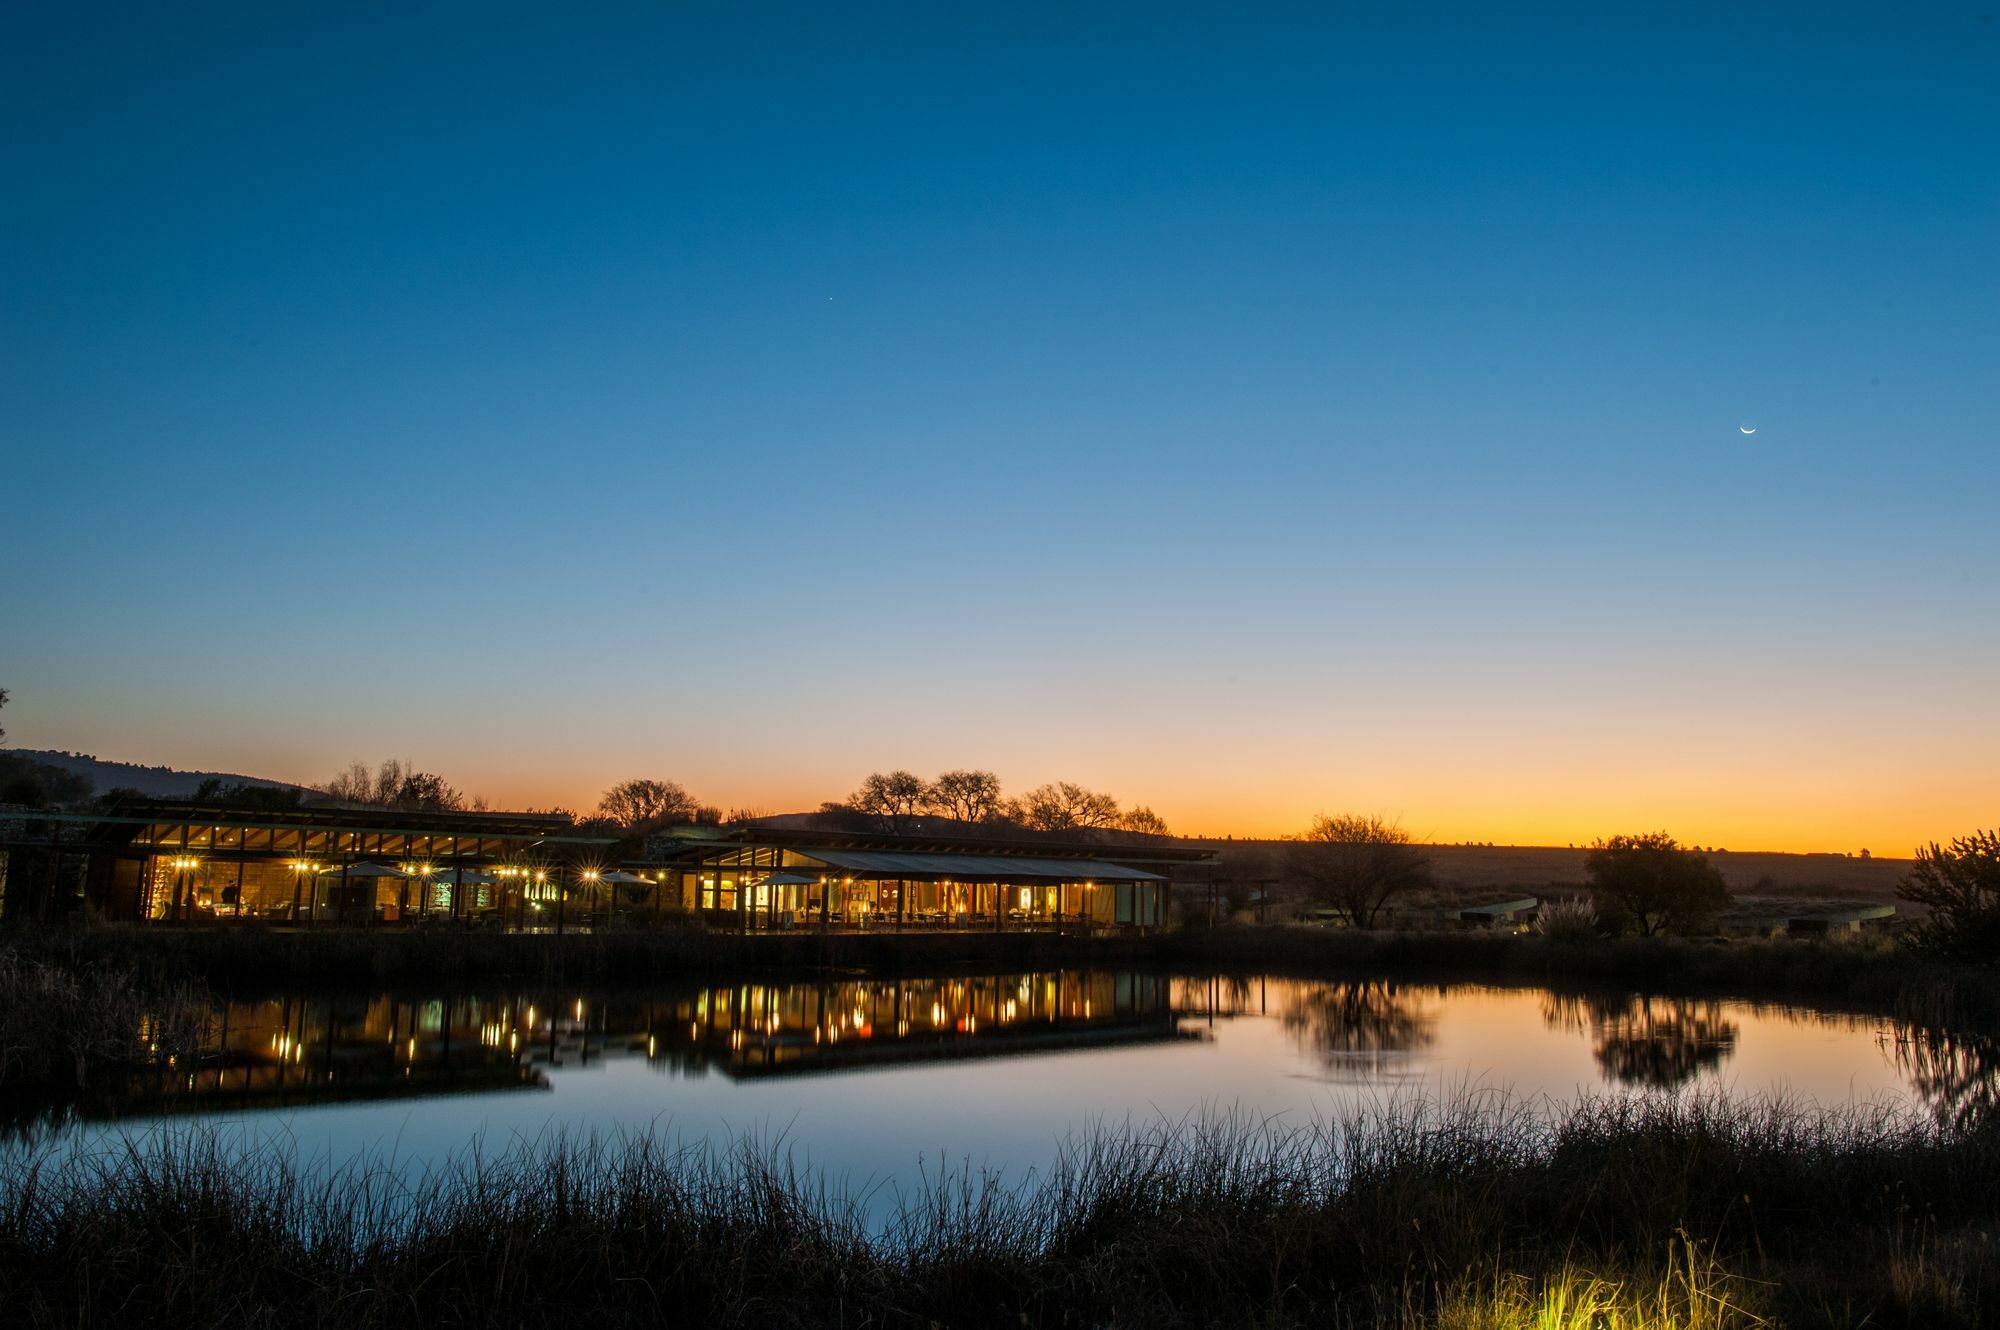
[(874, 1080)]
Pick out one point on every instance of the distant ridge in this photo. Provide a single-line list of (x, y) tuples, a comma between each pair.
[(155, 782)]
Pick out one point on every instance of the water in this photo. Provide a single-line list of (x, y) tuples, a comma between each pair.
[(871, 1081)]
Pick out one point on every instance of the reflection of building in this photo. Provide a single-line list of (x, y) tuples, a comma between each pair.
[(320, 864), (774, 1029), (754, 878), (289, 1051)]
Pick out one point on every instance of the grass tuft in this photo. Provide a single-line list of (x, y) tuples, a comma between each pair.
[(1474, 1212)]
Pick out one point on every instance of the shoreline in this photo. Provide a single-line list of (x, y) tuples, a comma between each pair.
[(1865, 976)]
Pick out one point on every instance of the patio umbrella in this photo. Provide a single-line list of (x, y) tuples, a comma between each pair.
[(617, 878), (463, 877), (364, 870)]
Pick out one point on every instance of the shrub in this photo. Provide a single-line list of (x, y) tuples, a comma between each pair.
[(1960, 885), (1571, 919), (1649, 883)]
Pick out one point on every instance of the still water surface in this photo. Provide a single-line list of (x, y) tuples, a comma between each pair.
[(871, 1080)]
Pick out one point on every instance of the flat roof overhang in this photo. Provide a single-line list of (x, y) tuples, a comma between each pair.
[(689, 844), (130, 825), (978, 867)]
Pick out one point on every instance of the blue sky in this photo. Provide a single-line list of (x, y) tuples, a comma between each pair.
[(1250, 413)]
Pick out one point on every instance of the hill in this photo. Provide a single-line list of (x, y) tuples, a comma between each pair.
[(156, 782)]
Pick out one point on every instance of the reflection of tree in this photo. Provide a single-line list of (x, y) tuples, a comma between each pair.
[(1956, 1075), (1656, 1043), (1357, 1022)]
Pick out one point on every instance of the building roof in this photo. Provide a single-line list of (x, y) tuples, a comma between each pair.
[(680, 844), (978, 867), (147, 820)]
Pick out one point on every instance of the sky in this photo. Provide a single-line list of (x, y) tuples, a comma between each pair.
[(1250, 413)]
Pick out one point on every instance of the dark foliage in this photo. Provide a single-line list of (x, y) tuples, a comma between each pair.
[(35, 784), (1358, 865), (1648, 883), (1960, 885)]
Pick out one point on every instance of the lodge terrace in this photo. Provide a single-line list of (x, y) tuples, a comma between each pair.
[(315, 865)]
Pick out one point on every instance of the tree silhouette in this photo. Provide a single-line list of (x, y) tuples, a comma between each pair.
[(1650, 883), (964, 796), (638, 805), (891, 797), (1357, 864), (1960, 885), (1063, 806), (394, 784)]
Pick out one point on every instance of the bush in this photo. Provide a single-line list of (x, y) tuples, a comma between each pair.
[(1960, 885), (1649, 883), (1572, 919)]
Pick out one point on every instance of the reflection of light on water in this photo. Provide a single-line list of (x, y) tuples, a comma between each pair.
[(991, 1068)]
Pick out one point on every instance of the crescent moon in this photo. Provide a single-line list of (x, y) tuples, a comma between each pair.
[(1748, 429)]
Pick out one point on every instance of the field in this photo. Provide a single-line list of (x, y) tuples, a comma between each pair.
[(1762, 882)]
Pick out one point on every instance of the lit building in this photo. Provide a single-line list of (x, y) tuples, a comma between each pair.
[(313, 865), (755, 878), (154, 861)]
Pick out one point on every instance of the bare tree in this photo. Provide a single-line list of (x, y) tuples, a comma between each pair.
[(355, 785), (893, 797), (1066, 807), (394, 784), (637, 805), (964, 796), (389, 778), (1143, 820), (3, 703), (1357, 864), (428, 792)]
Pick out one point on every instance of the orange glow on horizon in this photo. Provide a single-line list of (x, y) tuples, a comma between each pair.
[(1785, 821), (1790, 792)]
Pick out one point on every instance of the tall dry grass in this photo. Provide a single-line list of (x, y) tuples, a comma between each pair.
[(1482, 1212), (62, 1024)]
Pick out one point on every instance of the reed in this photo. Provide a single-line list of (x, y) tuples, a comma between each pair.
[(1478, 1212)]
